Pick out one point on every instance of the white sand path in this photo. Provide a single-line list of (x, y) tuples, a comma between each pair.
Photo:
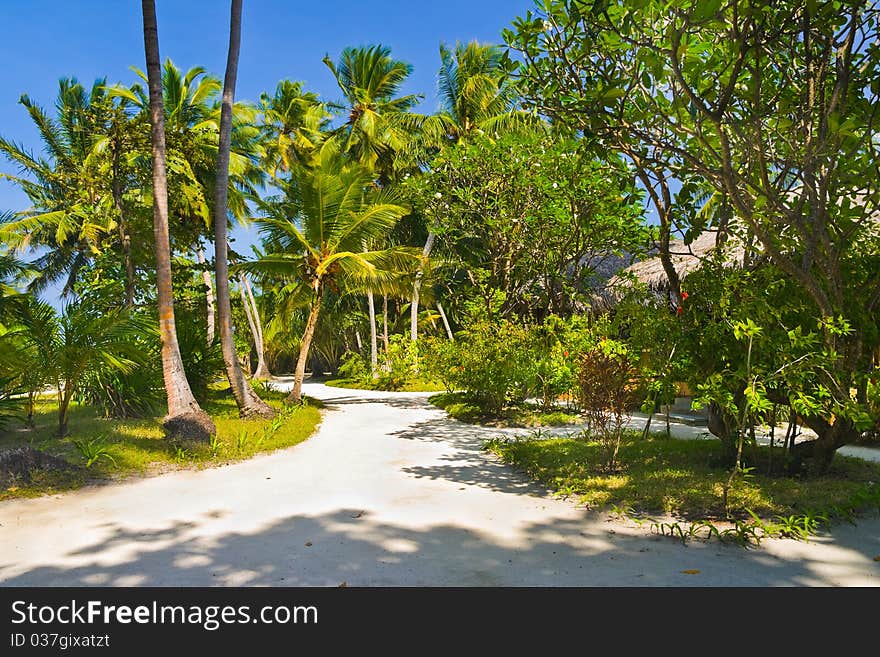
[(388, 492)]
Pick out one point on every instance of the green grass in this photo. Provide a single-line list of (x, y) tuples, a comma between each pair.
[(137, 447), (461, 407), (683, 478), (417, 385)]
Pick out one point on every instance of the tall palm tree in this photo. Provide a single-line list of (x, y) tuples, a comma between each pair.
[(213, 148), (294, 123), (477, 97), (186, 419), (316, 237), (249, 403), (72, 207), (381, 131), (380, 123)]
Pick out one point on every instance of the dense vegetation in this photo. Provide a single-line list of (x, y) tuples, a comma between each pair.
[(483, 249)]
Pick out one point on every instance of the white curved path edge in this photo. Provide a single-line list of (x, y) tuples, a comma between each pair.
[(389, 492)]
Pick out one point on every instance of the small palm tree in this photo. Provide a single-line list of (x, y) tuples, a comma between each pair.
[(316, 234), (65, 348)]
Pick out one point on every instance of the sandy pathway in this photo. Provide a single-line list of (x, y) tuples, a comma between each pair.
[(388, 492)]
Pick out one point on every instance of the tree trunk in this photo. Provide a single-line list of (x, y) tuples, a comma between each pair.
[(31, 407), (830, 438), (262, 373), (250, 317), (417, 286), (63, 404), (185, 420), (295, 395), (122, 229), (209, 295), (385, 322), (445, 321), (374, 347), (719, 425), (249, 403)]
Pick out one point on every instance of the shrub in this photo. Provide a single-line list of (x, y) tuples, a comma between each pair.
[(605, 389), (440, 361), (489, 361), (137, 394), (398, 365), (202, 362), (354, 366)]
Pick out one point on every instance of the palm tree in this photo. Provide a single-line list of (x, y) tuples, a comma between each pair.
[(294, 123), (213, 149), (477, 97), (185, 419), (12, 272), (73, 209), (477, 94), (249, 403), (316, 236), (379, 121), (15, 375)]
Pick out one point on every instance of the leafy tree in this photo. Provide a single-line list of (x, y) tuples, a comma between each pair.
[(772, 106), (478, 100), (531, 217)]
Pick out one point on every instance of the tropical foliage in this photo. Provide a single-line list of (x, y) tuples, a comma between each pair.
[(483, 247)]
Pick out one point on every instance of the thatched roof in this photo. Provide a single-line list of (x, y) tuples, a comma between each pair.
[(685, 258)]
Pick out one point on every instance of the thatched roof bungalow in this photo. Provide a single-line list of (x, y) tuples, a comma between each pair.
[(686, 258)]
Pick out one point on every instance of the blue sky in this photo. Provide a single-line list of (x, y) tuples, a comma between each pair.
[(45, 40)]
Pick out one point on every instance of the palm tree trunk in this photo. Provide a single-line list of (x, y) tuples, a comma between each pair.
[(295, 395), (385, 322), (209, 295), (249, 403), (122, 229), (63, 405), (417, 286), (445, 321), (262, 373), (374, 348), (249, 314), (185, 420)]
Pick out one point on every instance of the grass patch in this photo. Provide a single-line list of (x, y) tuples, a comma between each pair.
[(462, 407), (122, 448), (417, 385), (683, 479)]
